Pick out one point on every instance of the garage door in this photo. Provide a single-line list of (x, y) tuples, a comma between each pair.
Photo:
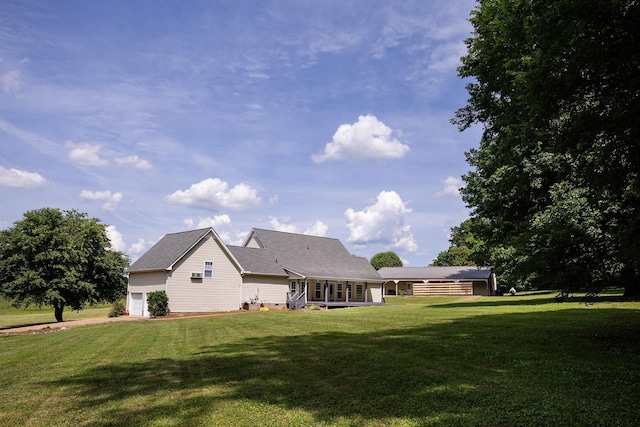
[(136, 306)]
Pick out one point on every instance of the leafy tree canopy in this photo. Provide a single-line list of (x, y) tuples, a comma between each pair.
[(59, 259), (556, 178), (385, 259), (454, 256), (466, 248)]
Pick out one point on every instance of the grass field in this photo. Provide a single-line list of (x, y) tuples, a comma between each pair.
[(11, 317), (505, 361)]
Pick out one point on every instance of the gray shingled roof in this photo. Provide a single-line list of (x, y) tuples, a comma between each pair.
[(168, 250), (424, 273), (257, 261), (313, 256)]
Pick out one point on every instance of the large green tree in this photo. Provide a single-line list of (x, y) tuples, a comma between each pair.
[(465, 247), (556, 177), (59, 259), (386, 259)]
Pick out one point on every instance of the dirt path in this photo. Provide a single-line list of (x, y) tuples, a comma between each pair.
[(44, 328), (61, 326)]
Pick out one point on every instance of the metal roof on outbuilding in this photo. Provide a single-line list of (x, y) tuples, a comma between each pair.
[(441, 273)]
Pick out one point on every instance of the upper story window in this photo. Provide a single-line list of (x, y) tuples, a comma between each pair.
[(208, 269)]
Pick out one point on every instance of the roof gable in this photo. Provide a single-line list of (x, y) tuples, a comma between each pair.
[(170, 249)]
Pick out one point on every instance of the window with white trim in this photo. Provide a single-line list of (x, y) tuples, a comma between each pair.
[(208, 269), (339, 291), (293, 287), (318, 290), (358, 292)]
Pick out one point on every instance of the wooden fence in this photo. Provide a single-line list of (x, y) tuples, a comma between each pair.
[(432, 289)]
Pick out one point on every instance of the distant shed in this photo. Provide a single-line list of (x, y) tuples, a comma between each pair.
[(427, 281)]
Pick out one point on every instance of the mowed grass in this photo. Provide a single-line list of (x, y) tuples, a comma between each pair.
[(12, 317), (505, 361)]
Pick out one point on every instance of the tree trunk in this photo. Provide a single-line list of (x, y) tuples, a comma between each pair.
[(58, 312), (630, 282)]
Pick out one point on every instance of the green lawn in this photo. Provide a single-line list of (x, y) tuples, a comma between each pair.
[(10, 316), (506, 361)]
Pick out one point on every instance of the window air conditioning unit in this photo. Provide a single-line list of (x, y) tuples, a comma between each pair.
[(196, 275)]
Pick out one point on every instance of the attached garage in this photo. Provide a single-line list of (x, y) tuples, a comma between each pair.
[(137, 304)]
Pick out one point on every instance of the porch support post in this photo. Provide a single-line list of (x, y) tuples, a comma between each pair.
[(326, 291), (366, 292), (346, 290), (396, 287), (306, 291)]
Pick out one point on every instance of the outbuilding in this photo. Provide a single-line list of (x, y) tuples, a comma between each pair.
[(431, 281)]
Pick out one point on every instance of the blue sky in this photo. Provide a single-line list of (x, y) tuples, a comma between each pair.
[(321, 117)]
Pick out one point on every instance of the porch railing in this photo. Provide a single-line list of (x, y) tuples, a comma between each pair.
[(296, 300)]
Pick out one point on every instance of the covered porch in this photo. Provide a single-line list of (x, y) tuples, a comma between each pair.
[(333, 293)]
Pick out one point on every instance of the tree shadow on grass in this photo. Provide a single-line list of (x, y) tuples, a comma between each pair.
[(525, 301), (458, 373)]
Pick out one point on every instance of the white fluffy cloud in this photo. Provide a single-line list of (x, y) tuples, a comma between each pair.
[(367, 139), (134, 161), (452, 187), (85, 154), (215, 222), (117, 242), (382, 222), (140, 246), (222, 225), (111, 201), (214, 194), (284, 226), (21, 179), (319, 229)]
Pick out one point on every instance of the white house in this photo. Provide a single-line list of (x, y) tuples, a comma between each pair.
[(200, 273)]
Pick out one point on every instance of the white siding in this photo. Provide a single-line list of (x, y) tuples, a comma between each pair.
[(147, 282), (269, 290), (143, 283), (253, 243), (375, 292), (222, 292)]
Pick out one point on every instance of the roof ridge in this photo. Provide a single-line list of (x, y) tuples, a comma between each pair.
[(189, 231), (296, 234)]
